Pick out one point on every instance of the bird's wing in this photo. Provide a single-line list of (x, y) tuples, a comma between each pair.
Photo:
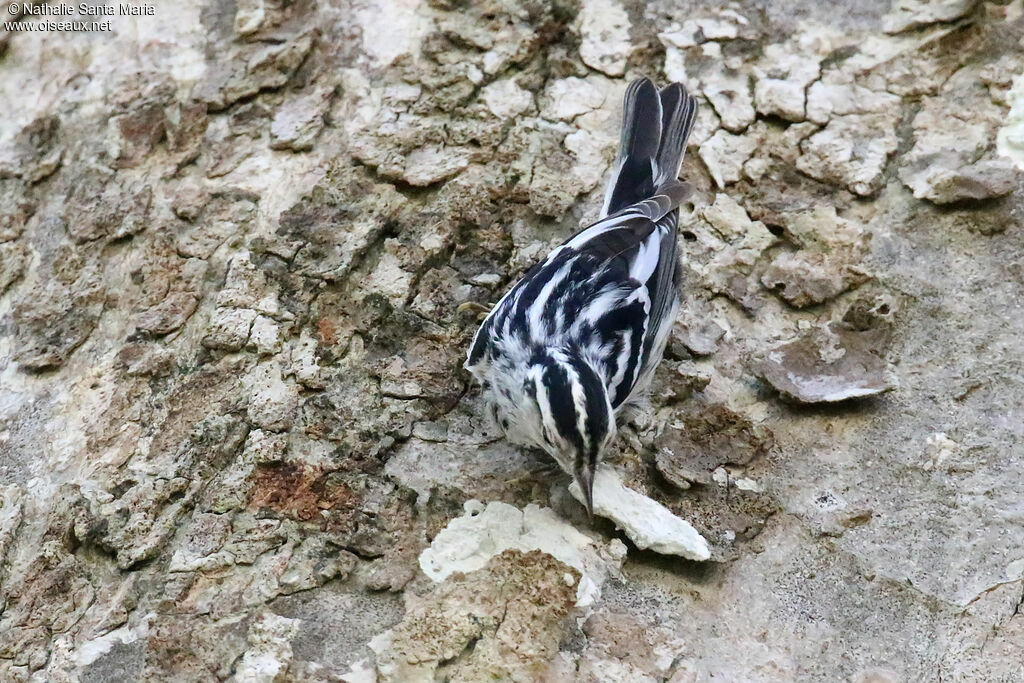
[(635, 277), (608, 289), (612, 288)]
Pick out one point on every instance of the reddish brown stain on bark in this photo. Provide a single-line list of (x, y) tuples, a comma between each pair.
[(299, 492)]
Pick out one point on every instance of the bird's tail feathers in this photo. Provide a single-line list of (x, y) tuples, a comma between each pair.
[(641, 121), (655, 127), (679, 112), (667, 197)]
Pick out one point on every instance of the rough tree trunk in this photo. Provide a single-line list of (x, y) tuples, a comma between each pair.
[(234, 427)]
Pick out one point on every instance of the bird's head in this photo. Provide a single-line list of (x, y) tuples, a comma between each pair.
[(572, 416)]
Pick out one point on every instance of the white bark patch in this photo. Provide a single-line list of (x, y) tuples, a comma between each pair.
[(468, 542), (270, 649), (1010, 138), (391, 29), (910, 14), (505, 99), (646, 522), (604, 26), (96, 648)]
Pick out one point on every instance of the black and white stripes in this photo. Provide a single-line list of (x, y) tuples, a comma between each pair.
[(581, 333)]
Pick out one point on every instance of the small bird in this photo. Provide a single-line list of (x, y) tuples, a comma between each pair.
[(579, 336)]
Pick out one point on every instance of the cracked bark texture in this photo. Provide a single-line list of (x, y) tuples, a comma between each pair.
[(234, 242)]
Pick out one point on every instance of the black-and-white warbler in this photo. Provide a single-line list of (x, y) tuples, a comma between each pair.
[(581, 334)]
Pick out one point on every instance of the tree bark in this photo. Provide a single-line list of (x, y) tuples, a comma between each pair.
[(242, 251)]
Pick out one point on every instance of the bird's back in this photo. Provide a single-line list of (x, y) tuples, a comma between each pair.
[(610, 292)]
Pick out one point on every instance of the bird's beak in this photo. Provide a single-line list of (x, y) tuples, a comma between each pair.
[(585, 480)]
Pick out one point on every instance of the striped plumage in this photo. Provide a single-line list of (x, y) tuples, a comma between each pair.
[(582, 332)]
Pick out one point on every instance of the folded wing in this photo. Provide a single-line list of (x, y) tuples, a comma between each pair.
[(613, 288)]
